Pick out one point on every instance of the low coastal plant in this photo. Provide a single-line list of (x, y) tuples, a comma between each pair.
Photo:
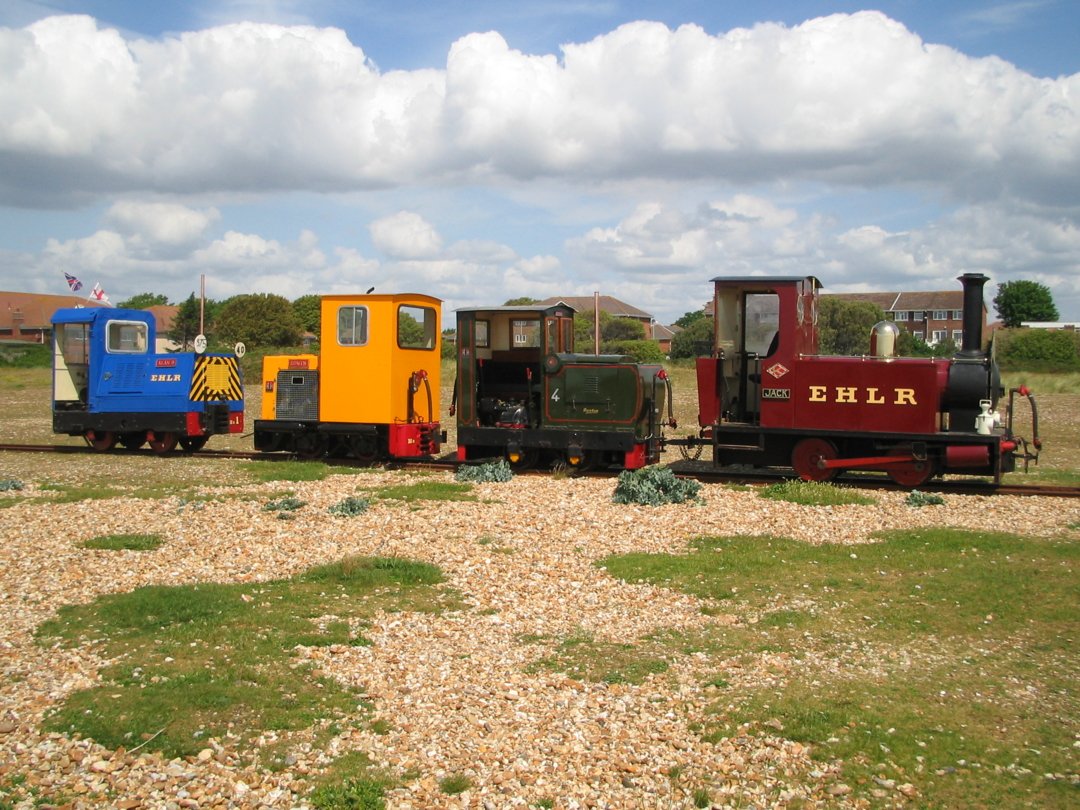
[(350, 507), (494, 472), (917, 499), (653, 486)]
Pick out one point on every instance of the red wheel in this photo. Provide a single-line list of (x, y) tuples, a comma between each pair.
[(807, 457), (162, 443), (101, 440), (912, 473)]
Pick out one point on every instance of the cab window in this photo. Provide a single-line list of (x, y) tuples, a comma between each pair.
[(526, 333), (126, 337), (417, 327), (74, 343), (352, 326)]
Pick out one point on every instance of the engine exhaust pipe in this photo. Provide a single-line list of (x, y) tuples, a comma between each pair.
[(971, 345)]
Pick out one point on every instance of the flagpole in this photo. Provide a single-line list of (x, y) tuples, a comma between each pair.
[(202, 301)]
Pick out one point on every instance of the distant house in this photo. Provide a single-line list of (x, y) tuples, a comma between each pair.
[(663, 335), (932, 316), (28, 316), (612, 306)]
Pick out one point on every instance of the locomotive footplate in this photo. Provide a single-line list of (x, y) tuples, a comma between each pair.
[(548, 439), (77, 423)]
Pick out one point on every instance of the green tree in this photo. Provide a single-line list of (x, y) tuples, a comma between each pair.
[(144, 300), (524, 301), (1021, 300), (696, 340), (618, 329), (449, 343), (410, 330), (583, 329), (911, 345), (260, 319), (690, 318), (186, 323), (844, 326), (307, 309)]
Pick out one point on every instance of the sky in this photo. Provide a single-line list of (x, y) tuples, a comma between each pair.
[(481, 151)]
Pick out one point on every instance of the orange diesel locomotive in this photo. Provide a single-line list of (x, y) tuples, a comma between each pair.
[(370, 394)]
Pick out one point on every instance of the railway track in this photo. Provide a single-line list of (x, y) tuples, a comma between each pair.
[(695, 471)]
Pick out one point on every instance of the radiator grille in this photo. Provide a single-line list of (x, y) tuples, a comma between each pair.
[(297, 395)]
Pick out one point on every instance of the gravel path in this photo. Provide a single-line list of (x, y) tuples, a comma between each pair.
[(454, 689)]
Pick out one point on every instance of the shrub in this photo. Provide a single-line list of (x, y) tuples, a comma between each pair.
[(495, 472), (10, 484), (642, 351), (653, 486), (350, 507), (286, 504), (1039, 350), (917, 499)]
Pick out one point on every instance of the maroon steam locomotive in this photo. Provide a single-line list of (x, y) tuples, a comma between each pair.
[(766, 398)]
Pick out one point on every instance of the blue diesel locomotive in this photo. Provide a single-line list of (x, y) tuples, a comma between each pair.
[(111, 386)]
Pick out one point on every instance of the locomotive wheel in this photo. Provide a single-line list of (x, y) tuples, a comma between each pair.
[(133, 440), (309, 446), (162, 443), (807, 454), (193, 444), (101, 440), (912, 473), (365, 449)]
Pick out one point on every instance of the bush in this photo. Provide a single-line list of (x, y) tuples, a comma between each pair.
[(25, 355), (350, 507), (642, 351), (495, 472), (10, 485), (917, 499), (286, 504), (653, 486), (1039, 350)]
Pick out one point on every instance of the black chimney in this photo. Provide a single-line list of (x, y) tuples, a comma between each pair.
[(973, 314)]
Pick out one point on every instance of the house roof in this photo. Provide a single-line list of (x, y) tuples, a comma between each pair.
[(907, 301), (608, 304), (661, 332), (34, 310)]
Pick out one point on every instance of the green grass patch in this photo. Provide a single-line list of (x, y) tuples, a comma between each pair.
[(426, 490), (292, 471), (583, 657), (125, 542), (950, 656), (454, 784), (813, 493), (196, 661), (351, 782)]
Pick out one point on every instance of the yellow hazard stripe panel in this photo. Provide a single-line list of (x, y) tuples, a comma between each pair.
[(216, 378)]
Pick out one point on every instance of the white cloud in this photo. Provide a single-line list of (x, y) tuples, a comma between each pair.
[(254, 106), (406, 235)]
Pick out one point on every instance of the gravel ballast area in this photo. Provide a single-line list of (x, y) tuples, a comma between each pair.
[(455, 690)]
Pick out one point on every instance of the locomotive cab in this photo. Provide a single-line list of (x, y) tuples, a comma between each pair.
[(760, 326)]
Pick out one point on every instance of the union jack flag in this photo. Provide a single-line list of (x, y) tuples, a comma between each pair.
[(73, 282)]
